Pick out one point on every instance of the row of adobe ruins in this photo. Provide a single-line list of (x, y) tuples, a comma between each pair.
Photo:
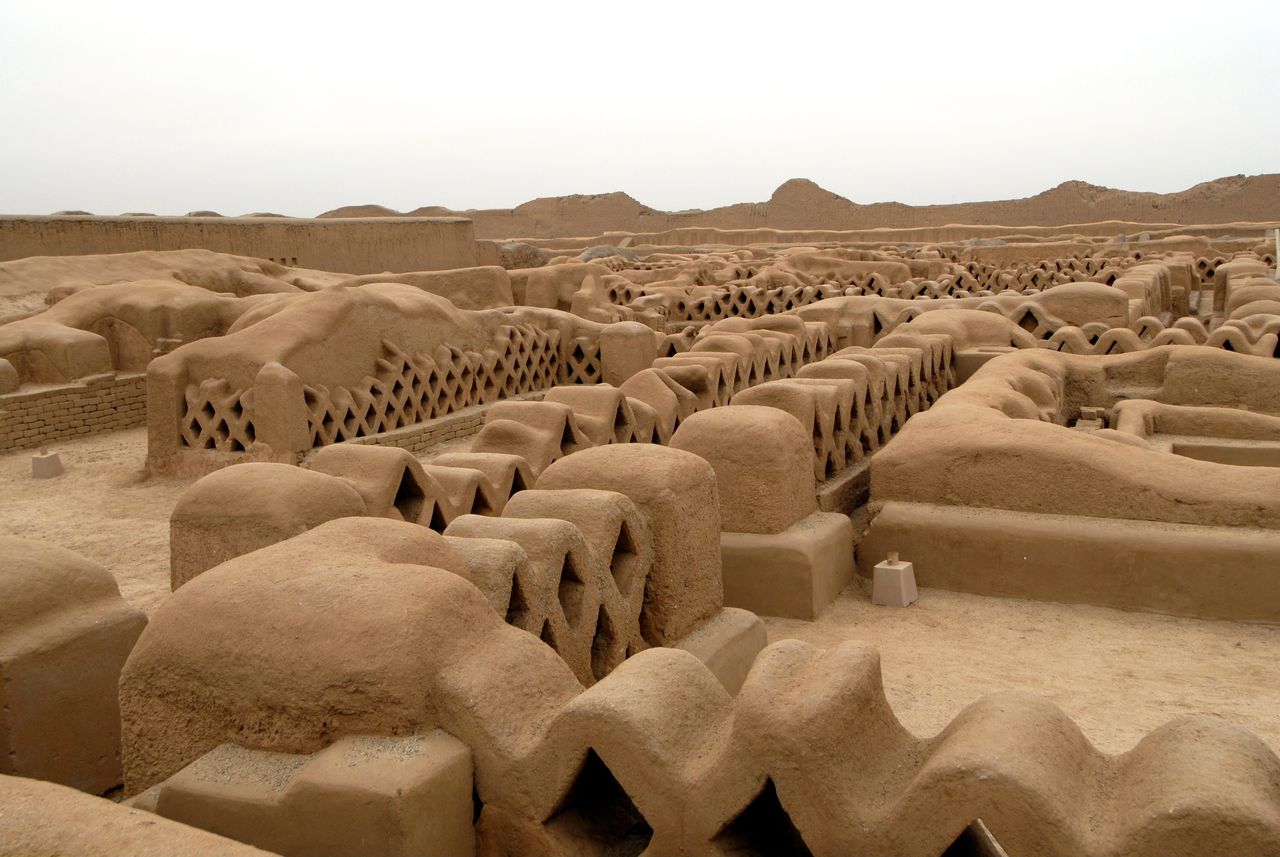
[(475, 537)]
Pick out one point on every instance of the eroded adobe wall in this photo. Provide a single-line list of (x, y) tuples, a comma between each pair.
[(366, 246)]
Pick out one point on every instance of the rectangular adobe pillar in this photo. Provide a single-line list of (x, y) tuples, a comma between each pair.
[(794, 574)]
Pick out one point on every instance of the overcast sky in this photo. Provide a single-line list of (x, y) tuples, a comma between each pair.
[(301, 107)]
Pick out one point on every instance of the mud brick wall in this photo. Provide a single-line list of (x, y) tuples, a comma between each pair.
[(105, 403), (355, 246)]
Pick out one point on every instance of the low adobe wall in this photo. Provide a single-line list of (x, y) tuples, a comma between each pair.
[(355, 246), (806, 758), (103, 403), (993, 491), (420, 437), (1175, 569)]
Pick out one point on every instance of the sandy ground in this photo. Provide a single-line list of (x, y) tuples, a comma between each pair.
[(1118, 674), (101, 507)]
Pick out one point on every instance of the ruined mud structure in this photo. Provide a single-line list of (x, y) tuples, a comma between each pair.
[(470, 557)]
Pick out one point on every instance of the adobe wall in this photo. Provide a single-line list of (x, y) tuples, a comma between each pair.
[(1003, 441), (104, 403), (356, 246), (697, 236), (1175, 569), (420, 437), (807, 757)]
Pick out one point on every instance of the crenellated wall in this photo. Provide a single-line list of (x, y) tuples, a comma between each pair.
[(375, 629)]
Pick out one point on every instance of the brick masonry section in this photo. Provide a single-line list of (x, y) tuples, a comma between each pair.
[(422, 436), (29, 419)]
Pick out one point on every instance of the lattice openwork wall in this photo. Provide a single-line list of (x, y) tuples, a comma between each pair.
[(1044, 274), (1207, 267), (414, 388), (217, 417), (578, 582), (405, 389), (748, 302), (621, 294), (581, 363)]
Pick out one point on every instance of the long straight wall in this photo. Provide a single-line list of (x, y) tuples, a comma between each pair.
[(354, 246)]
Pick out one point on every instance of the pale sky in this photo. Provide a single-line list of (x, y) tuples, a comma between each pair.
[(296, 108)]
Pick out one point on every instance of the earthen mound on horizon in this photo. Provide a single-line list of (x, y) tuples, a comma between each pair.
[(802, 204), (363, 211)]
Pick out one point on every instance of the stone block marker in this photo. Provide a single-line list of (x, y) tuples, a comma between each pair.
[(894, 584), (46, 465)]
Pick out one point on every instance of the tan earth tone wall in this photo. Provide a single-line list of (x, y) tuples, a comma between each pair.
[(44, 818), (64, 635), (31, 419), (1001, 440), (353, 246), (1175, 569), (1078, 512), (420, 437), (655, 755), (849, 403)]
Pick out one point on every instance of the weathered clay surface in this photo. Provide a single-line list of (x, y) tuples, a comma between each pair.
[(539, 639), (64, 635)]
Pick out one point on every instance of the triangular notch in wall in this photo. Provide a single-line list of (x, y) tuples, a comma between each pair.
[(763, 829), (975, 841), (597, 809)]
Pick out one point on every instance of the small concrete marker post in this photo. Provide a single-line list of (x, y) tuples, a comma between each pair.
[(45, 464), (894, 584)]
